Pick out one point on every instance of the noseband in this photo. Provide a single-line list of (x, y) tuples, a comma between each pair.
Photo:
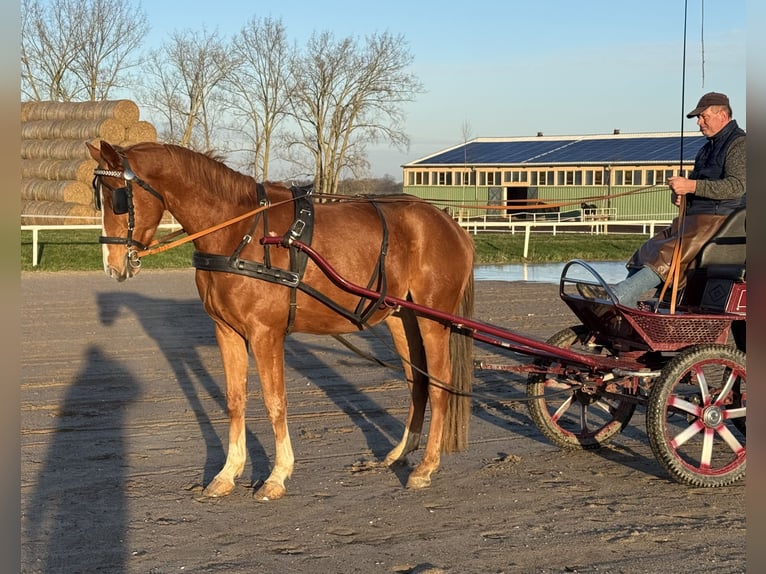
[(122, 203)]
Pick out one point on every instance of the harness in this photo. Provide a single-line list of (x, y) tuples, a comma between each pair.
[(301, 229)]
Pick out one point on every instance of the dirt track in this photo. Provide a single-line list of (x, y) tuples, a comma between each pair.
[(123, 418)]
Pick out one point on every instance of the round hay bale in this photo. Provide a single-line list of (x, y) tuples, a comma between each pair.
[(59, 169), (141, 131), (107, 129), (57, 213), (56, 148), (61, 191), (124, 111)]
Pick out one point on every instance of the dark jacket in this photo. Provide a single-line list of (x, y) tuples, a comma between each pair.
[(720, 170)]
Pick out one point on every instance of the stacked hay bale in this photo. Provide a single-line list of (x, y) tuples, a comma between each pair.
[(56, 168)]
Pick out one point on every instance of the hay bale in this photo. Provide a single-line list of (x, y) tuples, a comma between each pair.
[(141, 131), (56, 148), (57, 213), (59, 169), (61, 191), (106, 129), (124, 111)]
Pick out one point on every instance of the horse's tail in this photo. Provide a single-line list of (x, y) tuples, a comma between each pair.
[(455, 436)]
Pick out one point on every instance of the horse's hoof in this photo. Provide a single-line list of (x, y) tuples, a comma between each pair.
[(269, 491), (414, 482), (218, 488)]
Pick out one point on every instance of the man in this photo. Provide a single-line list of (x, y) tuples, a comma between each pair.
[(713, 190)]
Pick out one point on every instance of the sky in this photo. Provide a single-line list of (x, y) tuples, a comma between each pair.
[(510, 68)]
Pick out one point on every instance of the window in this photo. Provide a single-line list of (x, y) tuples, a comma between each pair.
[(618, 177), (588, 177), (559, 177), (628, 177), (534, 178), (649, 177), (549, 175), (569, 177), (598, 177), (578, 177), (637, 176)]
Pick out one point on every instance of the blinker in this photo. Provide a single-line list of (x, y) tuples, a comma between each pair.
[(119, 196)]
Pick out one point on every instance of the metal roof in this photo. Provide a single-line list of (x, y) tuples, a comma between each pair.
[(659, 148)]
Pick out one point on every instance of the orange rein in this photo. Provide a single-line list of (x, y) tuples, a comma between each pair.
[(159, 245), (675, 263)]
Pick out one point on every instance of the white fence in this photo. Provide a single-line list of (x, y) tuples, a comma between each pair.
[(551, 226), (36, 229), (474, 226)]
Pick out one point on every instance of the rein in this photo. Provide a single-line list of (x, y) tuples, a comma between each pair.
[(122, 202)]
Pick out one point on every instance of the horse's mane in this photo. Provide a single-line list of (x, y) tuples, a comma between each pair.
[(209, 170)]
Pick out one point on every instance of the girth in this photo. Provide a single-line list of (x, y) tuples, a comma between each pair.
[(301, 229)]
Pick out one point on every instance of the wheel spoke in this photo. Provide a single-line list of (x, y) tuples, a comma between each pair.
[(735, 413), (584, 418), (685, 435), (707, 448), (726, 388), (732, 441), (699, 374), (562, 409), (685, 406)]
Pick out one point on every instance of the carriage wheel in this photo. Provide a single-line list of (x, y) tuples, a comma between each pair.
[(695, 417), (568, 416)]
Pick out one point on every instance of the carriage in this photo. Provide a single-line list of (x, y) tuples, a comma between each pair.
[(270, 262), (687, 368)]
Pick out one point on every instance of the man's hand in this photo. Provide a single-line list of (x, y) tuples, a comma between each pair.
[(681, 186)]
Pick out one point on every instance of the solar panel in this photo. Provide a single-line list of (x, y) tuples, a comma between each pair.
[(571, 150)]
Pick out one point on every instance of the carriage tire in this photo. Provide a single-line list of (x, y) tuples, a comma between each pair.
[(698, 445), (558, 415)]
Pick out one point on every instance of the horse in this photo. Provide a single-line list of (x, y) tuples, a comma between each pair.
[(401, 245)]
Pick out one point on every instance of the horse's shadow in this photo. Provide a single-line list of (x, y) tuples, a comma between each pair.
[(181, 327), (79, 501)]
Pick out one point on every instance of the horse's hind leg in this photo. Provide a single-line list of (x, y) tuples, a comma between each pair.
[(235, 364), (436, 343), (406, 337)]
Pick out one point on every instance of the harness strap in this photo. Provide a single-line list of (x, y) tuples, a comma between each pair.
[(256, 270), (379, 273), (303, 229)]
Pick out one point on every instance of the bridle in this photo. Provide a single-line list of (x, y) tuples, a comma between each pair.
[(122, 203)]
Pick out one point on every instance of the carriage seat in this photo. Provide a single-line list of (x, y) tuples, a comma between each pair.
[(717, 280), (724, 255)]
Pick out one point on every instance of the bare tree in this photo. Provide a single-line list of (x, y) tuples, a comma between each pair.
[(260, 87), (78, 49), (347, 96), (183, 81)]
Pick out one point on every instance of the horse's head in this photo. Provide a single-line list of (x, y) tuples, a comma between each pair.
[(131, 209)]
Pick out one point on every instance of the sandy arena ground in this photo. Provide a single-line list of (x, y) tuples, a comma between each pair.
[(123, 419)]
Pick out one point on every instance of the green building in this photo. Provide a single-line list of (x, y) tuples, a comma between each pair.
[(613, 177)]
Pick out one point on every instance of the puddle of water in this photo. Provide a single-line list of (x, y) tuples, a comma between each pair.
[(611, 271)]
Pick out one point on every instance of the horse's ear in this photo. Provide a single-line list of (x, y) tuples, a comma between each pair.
[(107, 153), (95, 153)]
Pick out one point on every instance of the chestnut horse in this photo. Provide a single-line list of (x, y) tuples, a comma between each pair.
[(399, 244)]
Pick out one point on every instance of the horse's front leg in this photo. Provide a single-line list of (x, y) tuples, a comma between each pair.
[(268, 349), (235, 364)]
